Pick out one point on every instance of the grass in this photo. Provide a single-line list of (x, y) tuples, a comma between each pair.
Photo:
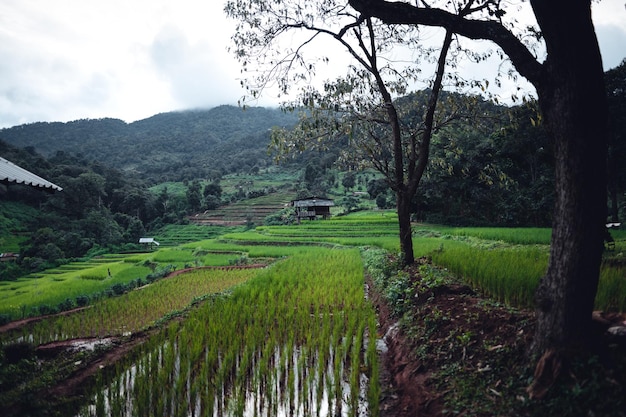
[(513, 235), (505, 263), (305, 303), (505, 274), (26, 296)]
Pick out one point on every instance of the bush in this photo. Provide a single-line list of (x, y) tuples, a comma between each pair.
[(82, 300), (285, 216), (118, 289), (10, 271), (44, 310), (66, 305)]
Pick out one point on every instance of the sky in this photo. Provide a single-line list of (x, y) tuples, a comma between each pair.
[(65, 60)]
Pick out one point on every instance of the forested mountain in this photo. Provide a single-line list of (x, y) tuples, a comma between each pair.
[(166, 147)]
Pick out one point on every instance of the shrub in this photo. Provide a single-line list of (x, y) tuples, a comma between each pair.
[(118, 289), (82, 300), (66, 305), (44, 310)]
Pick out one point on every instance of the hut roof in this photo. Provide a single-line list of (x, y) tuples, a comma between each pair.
[(313, 202), (148, 240), (13, 174)]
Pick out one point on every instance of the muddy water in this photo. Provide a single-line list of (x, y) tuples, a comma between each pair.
[(291, 383)]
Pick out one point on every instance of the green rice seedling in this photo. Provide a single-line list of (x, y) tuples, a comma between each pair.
[(54, 289), (137, 310), (611, 294), (509, 275), (267, 337), (514, 235), (173, 255)]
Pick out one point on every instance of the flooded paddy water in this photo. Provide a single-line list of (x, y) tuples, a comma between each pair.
[(292, 341)]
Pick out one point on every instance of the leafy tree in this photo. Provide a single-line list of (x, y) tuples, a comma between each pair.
[(212, 194), (572, 98), (213, 189), (100, 226), (616, 96), (376, 187), (312, 177), (349, 203), (211, 202), (349, 180), (360, 105), (194, 196), (491, 173), (382, 201)]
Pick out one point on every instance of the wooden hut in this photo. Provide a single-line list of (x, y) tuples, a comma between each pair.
[(312, 207), (149, 242)]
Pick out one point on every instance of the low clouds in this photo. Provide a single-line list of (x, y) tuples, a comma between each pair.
[(63, 60), (194, 71), (71, 59)]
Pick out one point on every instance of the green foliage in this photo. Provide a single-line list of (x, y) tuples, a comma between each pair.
[(507, 274), (285, 217), (349, 203)]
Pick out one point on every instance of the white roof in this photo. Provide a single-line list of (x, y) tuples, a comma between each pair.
[(313, 202), (11, 173), (148, 240)]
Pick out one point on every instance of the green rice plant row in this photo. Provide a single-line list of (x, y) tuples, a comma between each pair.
[(290, 341), (27, 294), (139, 308)]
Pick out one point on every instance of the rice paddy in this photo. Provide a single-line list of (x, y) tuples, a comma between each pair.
[(292, 341), (296, 337)]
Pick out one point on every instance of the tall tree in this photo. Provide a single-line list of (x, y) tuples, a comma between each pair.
[(194, 196), (616, 94), (572, 98), (362, 105)]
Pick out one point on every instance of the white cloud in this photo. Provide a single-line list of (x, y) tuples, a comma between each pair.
[(69, 59), (609, 17), (193, 71)]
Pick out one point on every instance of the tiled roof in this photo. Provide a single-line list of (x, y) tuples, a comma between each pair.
[(13, 174)]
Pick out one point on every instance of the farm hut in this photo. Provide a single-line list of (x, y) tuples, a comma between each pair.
[(13, 174), (148, 241), (312, 207)]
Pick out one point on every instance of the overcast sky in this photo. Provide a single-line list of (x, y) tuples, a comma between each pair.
[(64, 60)]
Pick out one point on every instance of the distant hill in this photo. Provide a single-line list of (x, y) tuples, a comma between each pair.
[(166, 147)]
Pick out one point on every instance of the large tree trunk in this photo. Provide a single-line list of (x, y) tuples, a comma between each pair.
[(403, 205), (573, 102)]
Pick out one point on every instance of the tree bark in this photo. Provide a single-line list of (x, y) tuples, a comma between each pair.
[(573, 101), (403, 205)]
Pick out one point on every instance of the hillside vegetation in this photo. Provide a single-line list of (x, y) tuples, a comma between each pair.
[(166, 147), (125, 181)]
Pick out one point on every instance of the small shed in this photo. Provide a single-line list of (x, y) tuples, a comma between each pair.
[(312, 207), (148, 241)]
